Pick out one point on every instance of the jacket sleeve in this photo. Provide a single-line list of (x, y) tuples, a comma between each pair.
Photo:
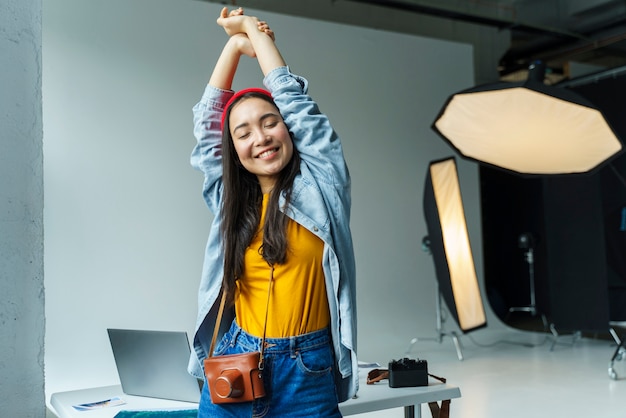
[(314, 137), (207, 154)]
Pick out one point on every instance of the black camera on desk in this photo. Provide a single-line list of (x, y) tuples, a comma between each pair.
[(408, 372)]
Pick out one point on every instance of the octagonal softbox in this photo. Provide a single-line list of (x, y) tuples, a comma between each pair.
[(527, 128)]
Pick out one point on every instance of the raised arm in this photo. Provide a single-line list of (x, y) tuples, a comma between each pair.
[(226, 65), (237, 45), (258, 33)]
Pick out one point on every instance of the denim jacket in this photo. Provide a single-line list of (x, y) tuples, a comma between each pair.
[(320, 202)]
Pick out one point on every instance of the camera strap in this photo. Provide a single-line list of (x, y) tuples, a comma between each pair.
[(220, 314), (443, 411)]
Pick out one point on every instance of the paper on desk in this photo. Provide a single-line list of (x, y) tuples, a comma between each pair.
[(99, 404)]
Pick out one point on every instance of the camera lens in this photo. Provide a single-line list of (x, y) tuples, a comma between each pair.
[(229, 384)]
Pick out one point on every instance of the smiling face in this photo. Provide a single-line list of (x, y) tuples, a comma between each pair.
[(261, 139)]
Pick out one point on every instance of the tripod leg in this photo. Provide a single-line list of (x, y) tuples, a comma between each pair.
[(457, 345), (555, 336)]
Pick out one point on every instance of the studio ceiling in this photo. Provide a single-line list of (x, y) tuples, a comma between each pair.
[(558, 32), (507, 34)]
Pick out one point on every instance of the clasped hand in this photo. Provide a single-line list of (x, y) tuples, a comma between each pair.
[(235, 22)]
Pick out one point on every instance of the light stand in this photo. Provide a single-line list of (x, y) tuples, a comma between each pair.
[(526, 242), (441, 333)]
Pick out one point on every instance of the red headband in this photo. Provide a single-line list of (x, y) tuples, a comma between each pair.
[(238, 95)]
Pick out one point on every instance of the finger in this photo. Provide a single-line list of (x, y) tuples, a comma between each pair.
[(224, 12), (237, 12)]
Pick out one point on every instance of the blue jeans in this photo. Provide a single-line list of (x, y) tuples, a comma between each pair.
[(298, 377)]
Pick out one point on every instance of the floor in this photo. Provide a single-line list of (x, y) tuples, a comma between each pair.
[(516, 373)]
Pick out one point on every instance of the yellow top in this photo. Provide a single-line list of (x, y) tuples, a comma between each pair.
[(298, 303)]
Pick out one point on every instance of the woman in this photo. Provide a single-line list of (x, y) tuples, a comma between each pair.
[(278, 186)]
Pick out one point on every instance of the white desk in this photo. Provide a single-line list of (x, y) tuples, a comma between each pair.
[(380, 396), (63, 402), (370, 398)]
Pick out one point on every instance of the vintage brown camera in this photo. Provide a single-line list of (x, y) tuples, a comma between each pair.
[(234, 378), (229, 384)]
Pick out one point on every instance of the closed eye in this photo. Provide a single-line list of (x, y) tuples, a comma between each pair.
[(244, 135), (270, 120)]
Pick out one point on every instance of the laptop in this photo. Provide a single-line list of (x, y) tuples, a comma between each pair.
[(154, 364)]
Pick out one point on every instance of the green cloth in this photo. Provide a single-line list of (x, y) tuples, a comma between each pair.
[(185, 413)]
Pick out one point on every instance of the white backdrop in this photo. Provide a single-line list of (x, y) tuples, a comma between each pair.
[(125, 224)]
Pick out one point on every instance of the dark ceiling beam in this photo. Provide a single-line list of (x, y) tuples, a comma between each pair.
[(554, 46), (605, 43), (449, 13)]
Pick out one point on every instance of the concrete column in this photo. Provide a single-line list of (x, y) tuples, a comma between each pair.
[(22, 321)]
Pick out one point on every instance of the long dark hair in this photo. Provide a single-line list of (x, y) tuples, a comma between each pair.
[(241, 207)]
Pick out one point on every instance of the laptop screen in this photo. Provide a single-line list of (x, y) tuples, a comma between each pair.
[(154, 364)]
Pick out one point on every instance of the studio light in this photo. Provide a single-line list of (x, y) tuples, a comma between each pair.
[(530, 128), (527, 127), (450, 246)]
